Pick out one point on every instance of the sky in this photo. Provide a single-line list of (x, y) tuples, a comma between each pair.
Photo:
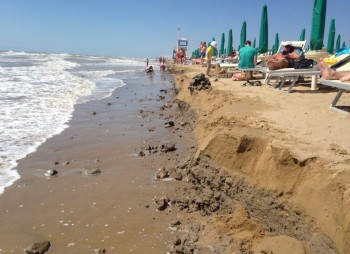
[(138, 28)]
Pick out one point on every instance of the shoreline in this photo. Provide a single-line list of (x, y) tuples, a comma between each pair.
[(113, 210), (253, 171)]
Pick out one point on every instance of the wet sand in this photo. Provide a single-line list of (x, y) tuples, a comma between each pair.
[(113, 210)]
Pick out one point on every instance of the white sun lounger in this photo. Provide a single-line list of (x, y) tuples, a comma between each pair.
[(228, 65), (283, 74), (292, 74), (343, 86), (297, 44)]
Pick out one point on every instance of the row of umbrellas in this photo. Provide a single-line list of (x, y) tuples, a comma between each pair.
[(316, 39), (263, 41)]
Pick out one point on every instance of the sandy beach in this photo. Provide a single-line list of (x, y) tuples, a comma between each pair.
[(289, 146), (243, 170)]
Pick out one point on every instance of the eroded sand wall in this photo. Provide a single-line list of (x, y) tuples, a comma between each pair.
[(237, 140)]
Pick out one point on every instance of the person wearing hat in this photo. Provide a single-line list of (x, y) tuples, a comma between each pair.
[(209, 54)]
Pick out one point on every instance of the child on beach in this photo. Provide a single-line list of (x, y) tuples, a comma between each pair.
[(209, 54)]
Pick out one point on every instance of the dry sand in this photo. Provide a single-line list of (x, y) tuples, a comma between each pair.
[(264, 172), (289, 145)]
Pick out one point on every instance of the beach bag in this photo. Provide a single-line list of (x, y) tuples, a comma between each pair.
[(303, 63)]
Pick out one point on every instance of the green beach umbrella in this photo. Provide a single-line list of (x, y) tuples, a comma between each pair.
[(229, 43), (331, 37), (343, 45), (337, 44), (276, 45), (222, 45), (264, 33), (254, 42), (318, 23), (302, 35), (243, 34), (197, 54)]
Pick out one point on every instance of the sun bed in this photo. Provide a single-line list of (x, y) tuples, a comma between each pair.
[(292, 74), (281, 74), (343, 86), (228, 65)]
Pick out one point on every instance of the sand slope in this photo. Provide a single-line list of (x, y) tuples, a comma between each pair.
[(289, 145)]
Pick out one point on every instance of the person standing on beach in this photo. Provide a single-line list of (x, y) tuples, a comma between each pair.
[(209, 55), (247, 58), (147, 62), (202, 49)]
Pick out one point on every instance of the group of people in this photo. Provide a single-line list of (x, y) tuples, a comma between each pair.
[(179, 55), (162, 65), (283, 59), (290, 55)]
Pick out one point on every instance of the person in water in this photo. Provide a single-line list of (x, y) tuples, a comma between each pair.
[(149, 69)]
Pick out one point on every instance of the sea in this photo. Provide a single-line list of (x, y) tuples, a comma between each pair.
[(38, 93)]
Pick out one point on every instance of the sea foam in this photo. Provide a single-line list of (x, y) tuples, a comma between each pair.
[(38, 93)]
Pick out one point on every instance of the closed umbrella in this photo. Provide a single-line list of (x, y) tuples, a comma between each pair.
[(344, 45), (331, 37), (264, 33), (222, 45), (254, 43), (229, 43), (243, 34), (337, 44), (318, 23), (276, 45), (302, 35)]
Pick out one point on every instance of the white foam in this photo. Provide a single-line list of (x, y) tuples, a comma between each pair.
[(37, 97), (7, 176)]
